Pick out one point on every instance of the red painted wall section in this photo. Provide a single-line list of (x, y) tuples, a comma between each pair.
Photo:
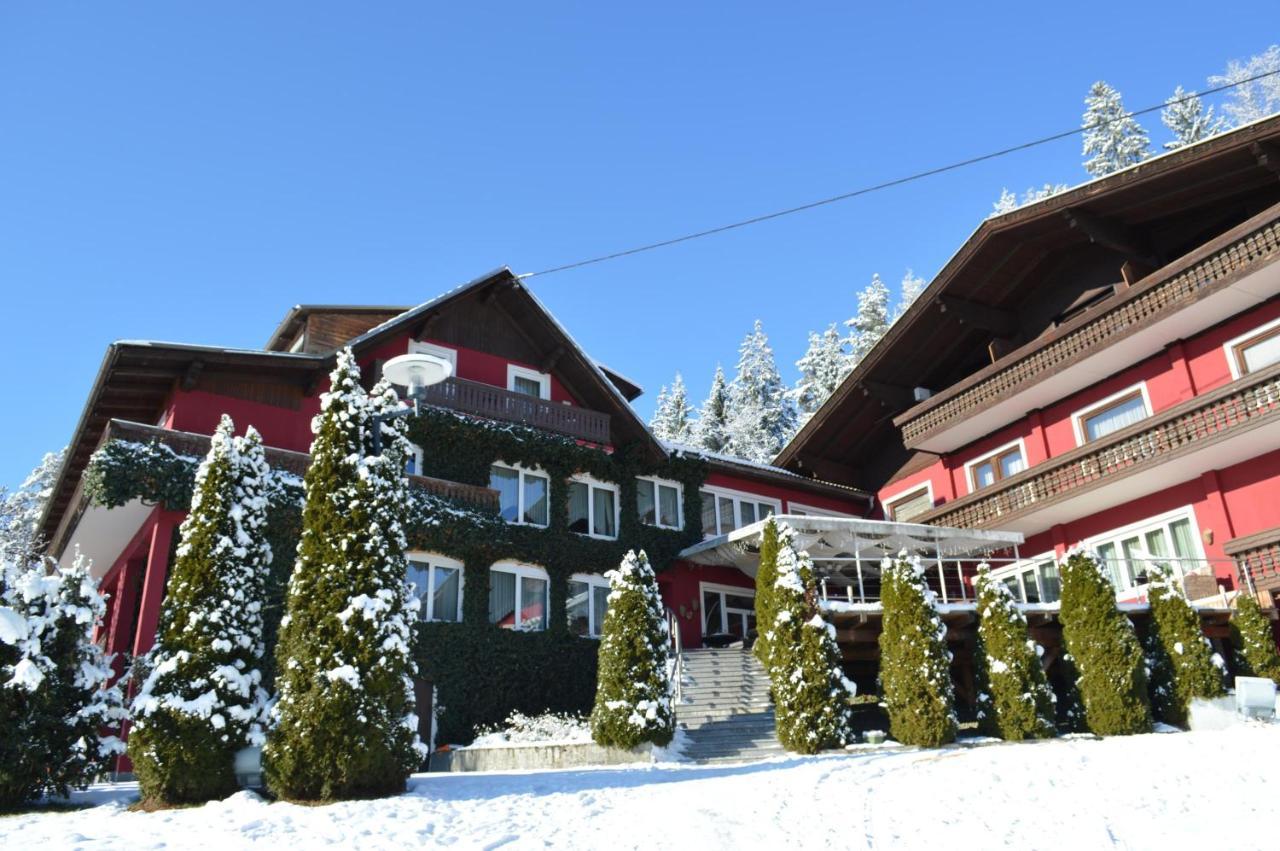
[(855, 506), (284, 428), (680, 587), (1252, 493)]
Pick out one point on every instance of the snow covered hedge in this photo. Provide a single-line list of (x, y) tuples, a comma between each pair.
[(1014, 698), (1182, 664)]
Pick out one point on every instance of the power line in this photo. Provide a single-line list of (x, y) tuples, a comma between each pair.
[(888, 184)]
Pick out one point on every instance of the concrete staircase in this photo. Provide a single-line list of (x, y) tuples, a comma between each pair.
[(726, 713)]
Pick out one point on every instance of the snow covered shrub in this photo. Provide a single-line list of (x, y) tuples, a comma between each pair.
[(633, 694), (202, 698), (810, 691), (1066, 688), (1253, 641), (766, 593), (344, 725), (915, 664), (524, 729), (20, 512), (54, 698), (1105, 650), (1194, 669), (1014, 698)]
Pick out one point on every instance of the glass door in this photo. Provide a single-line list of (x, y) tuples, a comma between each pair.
[(728, 611)]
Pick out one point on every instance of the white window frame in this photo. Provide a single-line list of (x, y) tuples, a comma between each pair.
[(1019, 568), (1078, 418), (1020, 444), (442, 352), (888, 501), (1229, 347), (738, 498), (813, 511), (591, 482), (526, 471), (593, 581), (434, 560), (417, 457), (715, 587), (657, 513), (1140, 530), (515, 371), (521, 571)]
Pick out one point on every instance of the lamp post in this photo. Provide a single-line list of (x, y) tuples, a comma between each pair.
[(415, 372)]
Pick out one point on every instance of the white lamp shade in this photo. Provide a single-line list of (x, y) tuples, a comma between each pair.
[(416, 371)]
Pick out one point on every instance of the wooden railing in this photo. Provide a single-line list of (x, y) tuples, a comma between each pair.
[(485, 400), (1258, 559), (1243, 405)]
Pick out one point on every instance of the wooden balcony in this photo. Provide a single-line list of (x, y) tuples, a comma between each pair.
[(1197, 427), (1129, 326), (485, 400), (1258, 559)]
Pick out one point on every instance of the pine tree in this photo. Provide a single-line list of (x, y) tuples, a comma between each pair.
[(1105, 650), (762, 418), (1253, 641), (823, 367), (55, 701), (766, 603), (871, 321), (202, 699), (20, 511), (915, 664), (1256, 99), (1187, 119), (908, 292), (711, 431), (672, 419), (1113, 139), (1008, 201), (1014, 698), (633, 691), (1196, 671), (344, 725), (811, 693)]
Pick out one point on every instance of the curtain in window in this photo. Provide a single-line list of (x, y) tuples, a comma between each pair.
[(599, 605), (418, 575), (668, 506), (748, 512), (1011, 464), (984, 474), (1183, 545), (1049, 581), (645, 502), (602, 508), (444, 604), (1113, 419), (708, 514), (726, 515), (535, 500), (502, 599), (507, 484), (578, 507)]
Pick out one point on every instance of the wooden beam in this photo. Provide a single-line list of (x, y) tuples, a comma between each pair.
[(425, 326), (889, 394), (192, 375), (999, 347), (1111, 234), (550, 361), (997, 320)]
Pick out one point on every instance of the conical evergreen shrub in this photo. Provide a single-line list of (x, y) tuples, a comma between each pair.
[(1070, 717), (915, 664), (810, 691), (1194, 670), (202, 699), (633, 687), (1105, 650), (55, 704), (1014, 698), (344, 725), (1253, 641), (766, 596)]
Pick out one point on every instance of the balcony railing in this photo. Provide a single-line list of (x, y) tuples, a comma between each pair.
[(1172, 289), (1258, 559), (485, 400), (1243, 405)]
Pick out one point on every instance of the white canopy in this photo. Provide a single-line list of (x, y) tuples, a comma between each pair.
[(848, 539)]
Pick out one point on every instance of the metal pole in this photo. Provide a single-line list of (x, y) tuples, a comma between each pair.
[(857, 561), (960, 576)]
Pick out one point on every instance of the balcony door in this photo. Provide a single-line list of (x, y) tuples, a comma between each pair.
[(727, 610)]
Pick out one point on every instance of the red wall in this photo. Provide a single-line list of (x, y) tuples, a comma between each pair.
[(680, 588), (856, 506)]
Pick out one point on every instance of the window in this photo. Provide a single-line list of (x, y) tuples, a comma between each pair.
[(1112, 414), (518, 596), (437, 583), (593, 508), (587, 603), (659, 503), (1001, 464), (1032, 582), (522, 494), (723, 511), (413, 463), (728, 610), (1256, 350), (809, 511), (528, 381), (903, 507), (1128, 555), (442, 352)]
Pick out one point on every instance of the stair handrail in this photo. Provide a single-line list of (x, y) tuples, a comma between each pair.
[(677, 650)]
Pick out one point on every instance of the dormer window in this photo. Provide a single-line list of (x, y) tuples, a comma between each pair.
[(528, 382)]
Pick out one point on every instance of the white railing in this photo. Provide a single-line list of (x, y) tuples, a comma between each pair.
[(677, 657)]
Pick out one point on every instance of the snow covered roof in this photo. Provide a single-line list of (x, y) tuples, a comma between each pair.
[(827, 538), (749, 467)]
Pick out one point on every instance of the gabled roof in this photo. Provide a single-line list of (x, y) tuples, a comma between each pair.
[(1019, 272), (296, 319)]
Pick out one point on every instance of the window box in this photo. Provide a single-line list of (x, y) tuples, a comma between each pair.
[(593, 508), (660, 502), (437, 584), (523, 495), (518, 596), (588, 601)]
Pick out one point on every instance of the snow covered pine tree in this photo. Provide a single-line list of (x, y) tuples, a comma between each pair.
[(20, 512), (810, 691), (871, 321), (1187, 119), (1112, 138), (1104, 649), (1253, 641), (202, 699), (915, 664), (672, 416), (711, 431), (1195, 670), (762, 419), (1014, 698), (823, 367), (633, 685), (344, 726), (54, 698)]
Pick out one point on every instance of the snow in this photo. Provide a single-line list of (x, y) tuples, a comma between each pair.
[(546, 729), (1132, 792)]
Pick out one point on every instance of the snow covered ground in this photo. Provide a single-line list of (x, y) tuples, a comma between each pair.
[(1168, 791)]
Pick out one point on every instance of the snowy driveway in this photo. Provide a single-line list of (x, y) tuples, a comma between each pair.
[(1171, 791)]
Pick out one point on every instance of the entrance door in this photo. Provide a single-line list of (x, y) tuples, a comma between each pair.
[(728, 610)]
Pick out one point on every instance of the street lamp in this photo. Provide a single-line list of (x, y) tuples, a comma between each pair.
[(415, 372)]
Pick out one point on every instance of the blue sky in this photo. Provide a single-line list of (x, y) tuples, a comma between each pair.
[(189, 171)]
